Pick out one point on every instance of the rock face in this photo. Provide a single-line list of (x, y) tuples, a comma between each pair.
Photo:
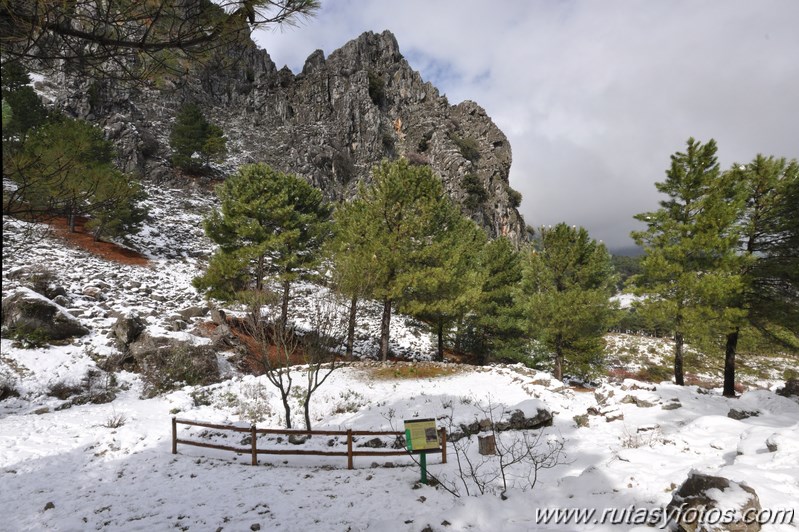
[(706, 502), (28, 312), (331, 123)]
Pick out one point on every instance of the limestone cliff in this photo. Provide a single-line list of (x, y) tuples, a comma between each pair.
[(331, 123)]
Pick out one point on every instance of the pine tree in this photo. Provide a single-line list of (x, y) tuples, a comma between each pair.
[(351, 257), (768, 253), (444, 283), (26, 109), (565, 292), (65, 167), (116, 207), (689, 246), (403, 212), (195, 142), (271, 226), (494, 327)]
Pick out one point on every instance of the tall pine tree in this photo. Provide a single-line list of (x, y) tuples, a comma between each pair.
[(195, 142), (271, 226), (565, 292), (768, 254), (405, 217), (689, 246), (494, 330), (446, 279)]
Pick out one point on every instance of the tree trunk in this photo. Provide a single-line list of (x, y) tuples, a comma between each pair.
[(385, 325), (287, 408), (440, 339), (71, 220), (284, 305), (558, 357), (678, 348), (307, 411), (351, 326), (729, 363)]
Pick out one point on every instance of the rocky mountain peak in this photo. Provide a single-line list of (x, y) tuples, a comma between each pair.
[(330, 123)]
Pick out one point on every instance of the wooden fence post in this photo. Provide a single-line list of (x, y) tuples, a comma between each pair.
[(253, 436), (349, 448), (174, 435), (443, 445)]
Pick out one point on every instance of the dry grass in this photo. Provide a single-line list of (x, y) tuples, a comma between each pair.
[(412, 370)]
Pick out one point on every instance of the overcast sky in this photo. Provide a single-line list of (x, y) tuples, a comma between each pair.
[(594, 96)]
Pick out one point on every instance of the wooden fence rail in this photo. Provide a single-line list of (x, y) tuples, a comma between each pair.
[(254, 451)]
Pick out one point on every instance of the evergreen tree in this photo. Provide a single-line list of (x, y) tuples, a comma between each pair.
[(135, 40), (116, 207), (271, 226), (689, 246), (351, 257), (768, 253), (26, 108), (404, 212), (195, 142), (565, 292), (66, 167), (444, 283), (494, 327)]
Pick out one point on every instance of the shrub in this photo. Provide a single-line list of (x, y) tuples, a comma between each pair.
[(424, 143), (377, 89), (64, 390), (115, 421), (170, 366), (8, 388), (515, 198), (25, 337), (476, 193), (469, 148)]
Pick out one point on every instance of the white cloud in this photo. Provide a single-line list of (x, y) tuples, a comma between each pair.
[(594, 96)]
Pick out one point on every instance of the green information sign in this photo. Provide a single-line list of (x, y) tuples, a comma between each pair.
[(421, 434)]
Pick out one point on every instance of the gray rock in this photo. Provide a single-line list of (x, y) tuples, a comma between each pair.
[(26, 311), (219, 317), (742, 414), (374, 443), (298, 439), (700, 493), (193, 312), (93, 292), (127, 329)]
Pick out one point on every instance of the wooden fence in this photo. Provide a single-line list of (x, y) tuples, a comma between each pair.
[(254, 451)]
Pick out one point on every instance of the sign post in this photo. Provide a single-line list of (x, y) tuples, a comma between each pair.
[(421, 436)]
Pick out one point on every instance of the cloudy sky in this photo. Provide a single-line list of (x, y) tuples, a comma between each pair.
[(594, 96)]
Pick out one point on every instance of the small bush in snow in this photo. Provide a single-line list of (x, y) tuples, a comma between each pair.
[(115, 421), (8, 388), (254, 403), (64, 390)]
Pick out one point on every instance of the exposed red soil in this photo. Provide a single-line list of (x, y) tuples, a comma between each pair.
[(84, 240)]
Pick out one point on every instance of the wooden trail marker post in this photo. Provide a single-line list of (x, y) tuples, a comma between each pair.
[(421, 436)]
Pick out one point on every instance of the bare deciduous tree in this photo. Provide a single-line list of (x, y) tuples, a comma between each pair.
[(520, 456)]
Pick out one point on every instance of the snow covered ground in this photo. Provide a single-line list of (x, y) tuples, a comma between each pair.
[(109, 466)]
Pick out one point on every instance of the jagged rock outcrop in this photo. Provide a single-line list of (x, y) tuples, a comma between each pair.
[(330, 123)]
